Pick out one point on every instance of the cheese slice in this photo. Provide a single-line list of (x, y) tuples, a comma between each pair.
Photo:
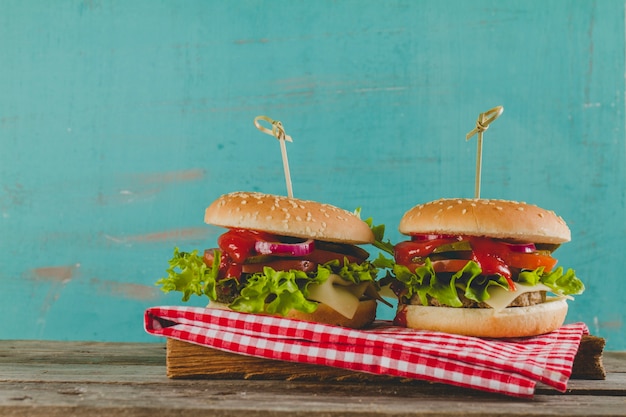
[(340, 295), (501, 298)]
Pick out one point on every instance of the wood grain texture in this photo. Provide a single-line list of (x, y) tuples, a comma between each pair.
[(121, 121), (186, 360), (91, 379)]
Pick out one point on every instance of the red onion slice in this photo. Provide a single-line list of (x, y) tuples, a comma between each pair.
[(278, 248), (522, 247)]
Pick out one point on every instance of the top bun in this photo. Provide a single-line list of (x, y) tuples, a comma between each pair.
[(491, 218), (288, 217)]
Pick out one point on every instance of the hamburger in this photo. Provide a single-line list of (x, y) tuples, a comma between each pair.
[(484, 268), (282, 256)]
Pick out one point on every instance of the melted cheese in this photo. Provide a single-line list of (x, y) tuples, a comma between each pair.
[(341, 295), (501, 298)]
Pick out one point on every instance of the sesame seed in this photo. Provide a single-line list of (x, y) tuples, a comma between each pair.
[(464, 211)]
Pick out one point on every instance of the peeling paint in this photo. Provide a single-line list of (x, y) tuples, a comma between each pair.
[(615, 324), (191, 233), (58, 277), (126, 196), (126, 290), (145, 186), (171, 176), (62, 274)]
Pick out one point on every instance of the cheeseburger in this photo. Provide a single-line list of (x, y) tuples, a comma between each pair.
[(483, 268), (282, 256)]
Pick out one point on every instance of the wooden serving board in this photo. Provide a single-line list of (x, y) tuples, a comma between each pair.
[(186, 360)]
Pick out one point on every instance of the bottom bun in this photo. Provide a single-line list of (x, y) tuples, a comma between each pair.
[(364, 315), (486, 322)]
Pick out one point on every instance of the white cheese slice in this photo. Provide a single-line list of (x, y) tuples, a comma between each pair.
[(339, 294), (501, 298)]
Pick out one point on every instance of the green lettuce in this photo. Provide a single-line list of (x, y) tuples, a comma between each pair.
[(425, 283), (560, 283), (281, 287), (379, 235), (189, 274), (269, 291)]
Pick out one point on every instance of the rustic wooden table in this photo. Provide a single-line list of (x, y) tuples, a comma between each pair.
[(42, 378)]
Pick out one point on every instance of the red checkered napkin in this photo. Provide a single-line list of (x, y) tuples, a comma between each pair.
[(510, 367)]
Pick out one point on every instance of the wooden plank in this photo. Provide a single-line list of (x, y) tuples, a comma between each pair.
[(37, 351), (280, 398), (186, 360), (63, 379)]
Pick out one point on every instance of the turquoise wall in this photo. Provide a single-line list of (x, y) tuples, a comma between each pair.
[(120, 121)]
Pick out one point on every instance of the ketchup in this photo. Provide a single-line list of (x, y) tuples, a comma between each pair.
[(400, 319), (406, 251), (490, 255)]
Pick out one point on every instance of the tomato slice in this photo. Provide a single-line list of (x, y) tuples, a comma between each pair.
[(530, 260), (449, 265)]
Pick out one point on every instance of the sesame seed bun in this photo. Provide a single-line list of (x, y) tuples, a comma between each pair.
[(288, 217), (498, 219)]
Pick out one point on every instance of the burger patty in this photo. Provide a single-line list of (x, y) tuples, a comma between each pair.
[(524, 300)]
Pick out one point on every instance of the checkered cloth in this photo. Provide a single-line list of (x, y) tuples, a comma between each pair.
[(511, 367)]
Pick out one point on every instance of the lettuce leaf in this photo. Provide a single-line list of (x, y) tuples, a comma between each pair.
[(280, 287), (379, 235), (560, 283), (425, 283), (189, 274), (269, 291)]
